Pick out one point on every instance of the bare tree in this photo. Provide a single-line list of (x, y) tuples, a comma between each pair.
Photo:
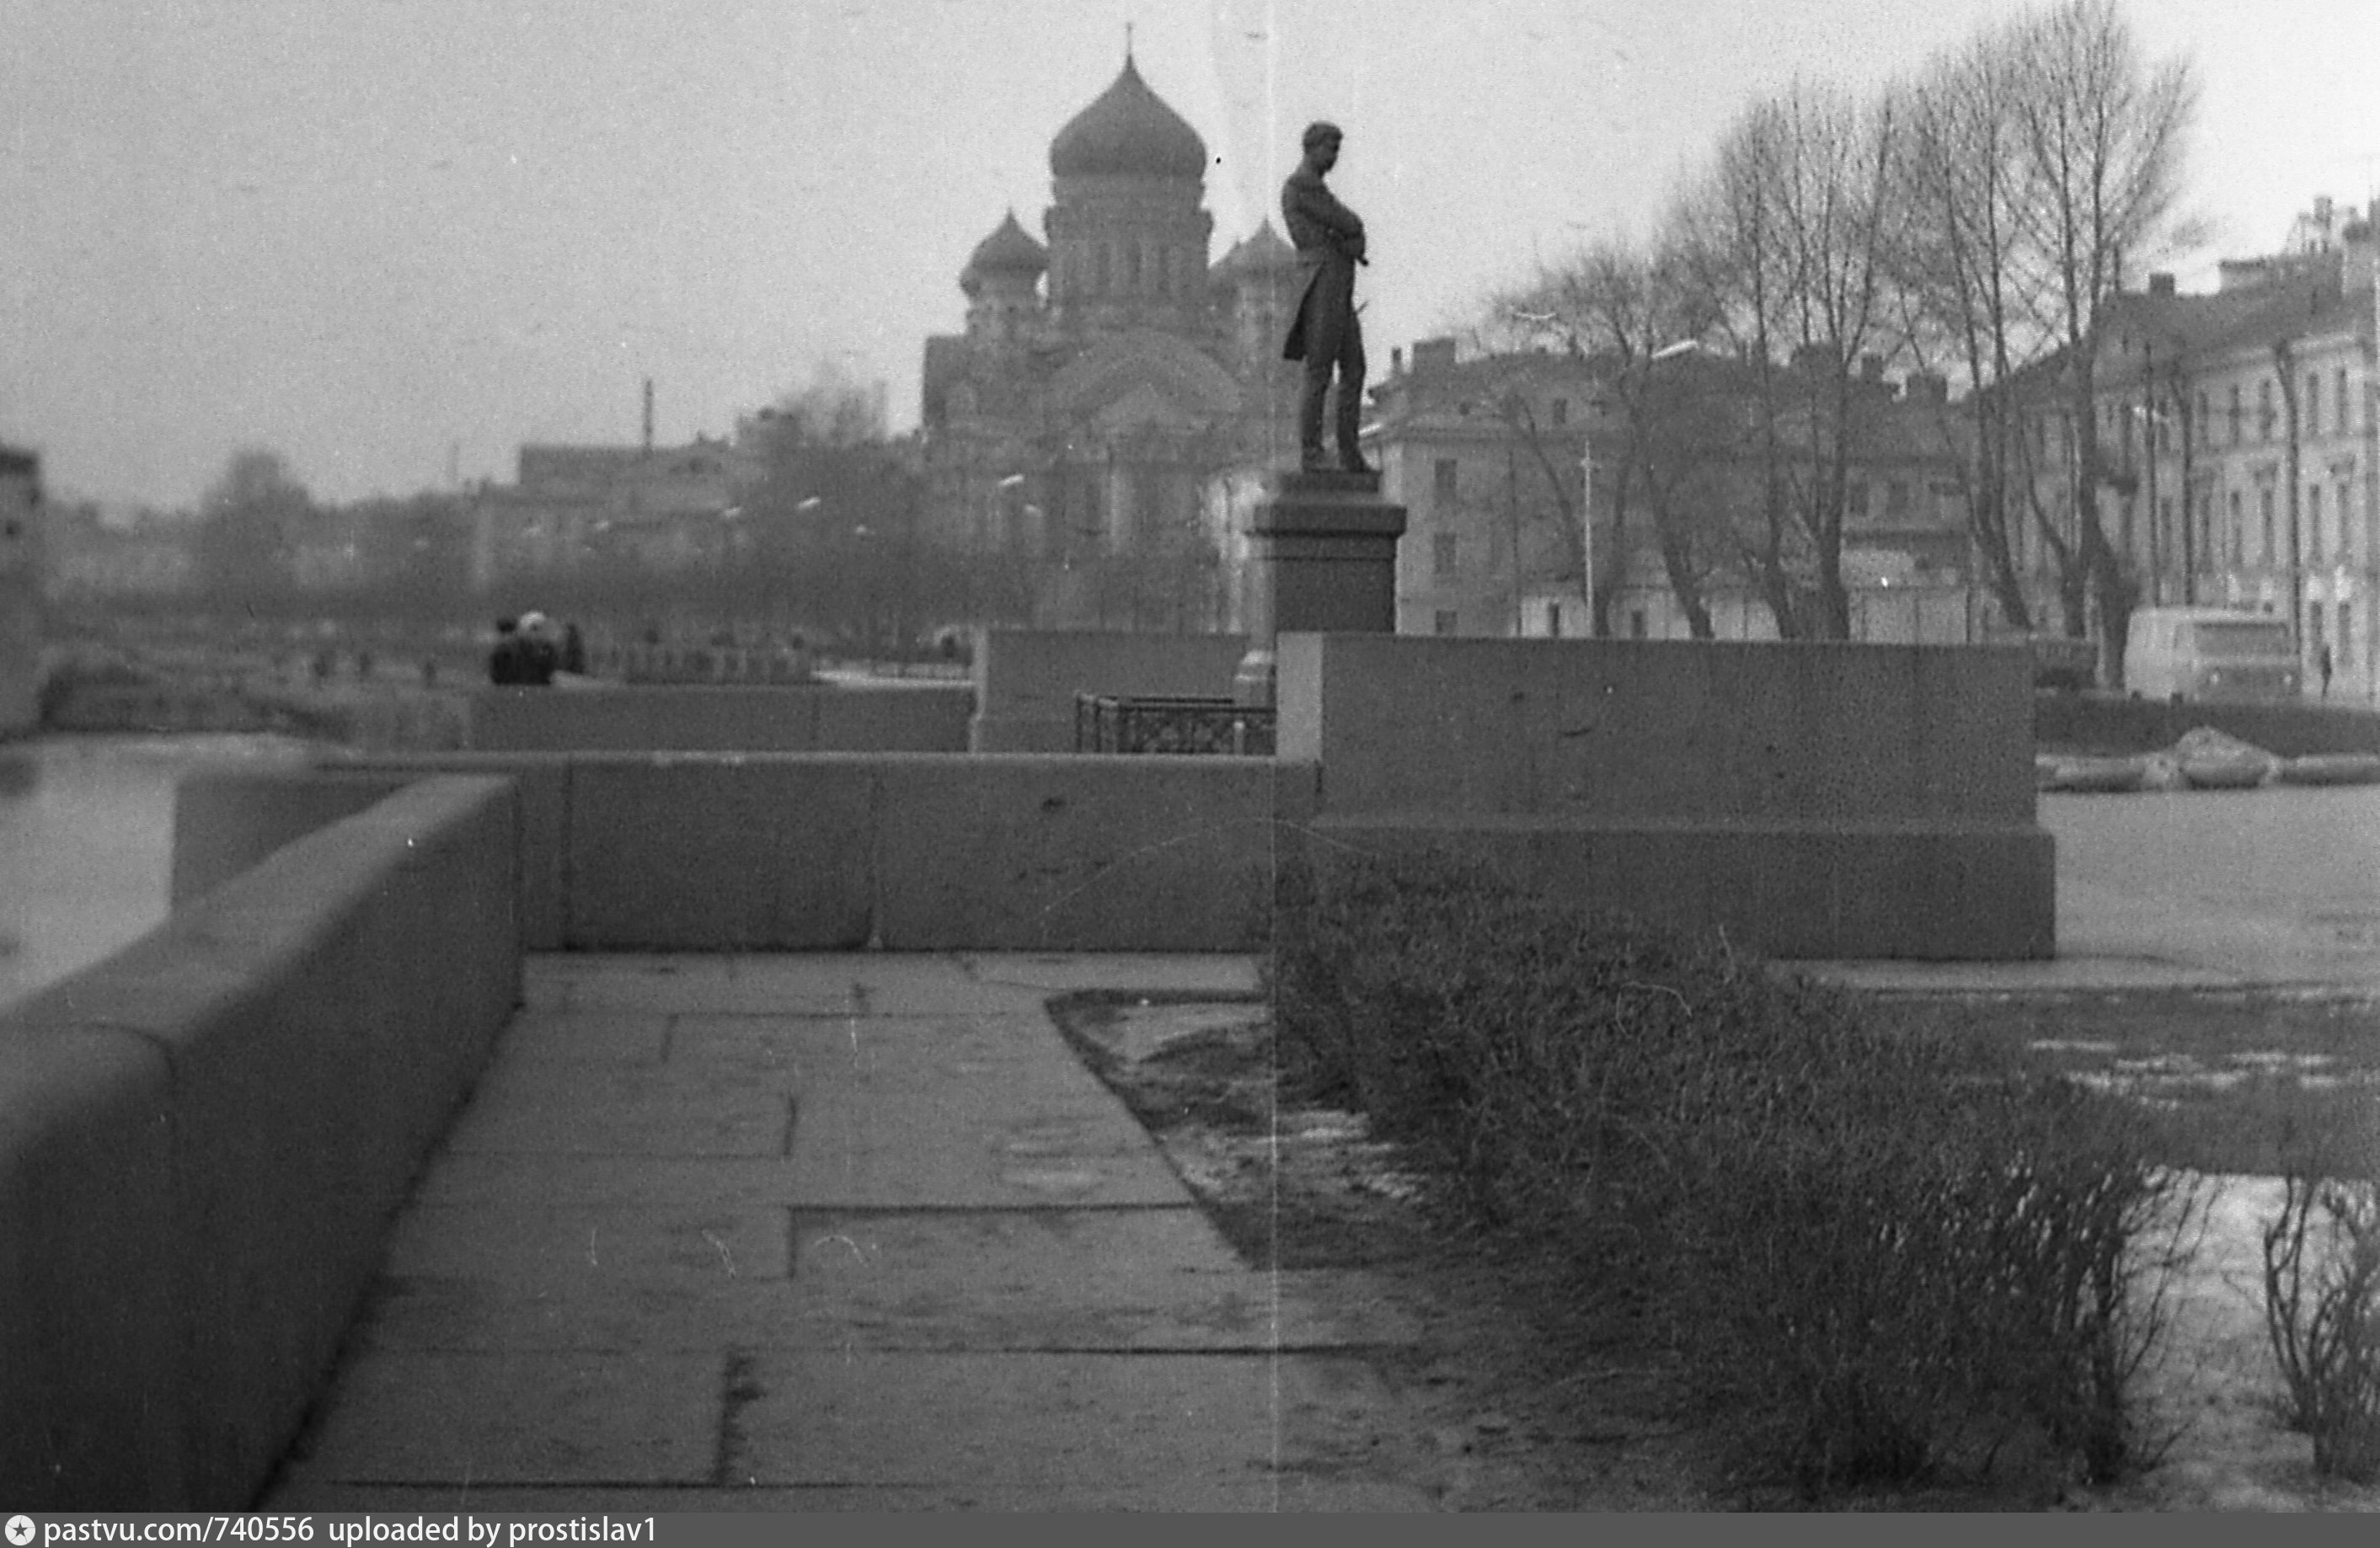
[(1792, 237), (1658, 435), (2101, 133), (1966, 281)]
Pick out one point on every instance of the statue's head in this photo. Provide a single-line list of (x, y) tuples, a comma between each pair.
[(1321, 143)]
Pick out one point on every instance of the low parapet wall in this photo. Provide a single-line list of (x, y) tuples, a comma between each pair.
[(1026, 680), (813, 717), (203, 1137), (2092, 724), (828, 852), (1813, 801)]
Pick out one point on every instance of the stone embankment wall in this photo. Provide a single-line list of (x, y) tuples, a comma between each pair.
[(203, 1137), (793, 719), (2090, 723), (1811, 800), (1026, 680), (828, 852)]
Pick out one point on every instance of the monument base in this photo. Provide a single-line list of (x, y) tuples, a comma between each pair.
[(1322, 553)]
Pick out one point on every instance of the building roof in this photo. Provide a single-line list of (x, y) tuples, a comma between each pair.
[(1129, 132), (1009, 250)]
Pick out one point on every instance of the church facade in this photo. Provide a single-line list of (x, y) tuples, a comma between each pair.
[(1109, 379)]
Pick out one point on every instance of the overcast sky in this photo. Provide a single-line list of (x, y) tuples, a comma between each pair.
[(362, 232)]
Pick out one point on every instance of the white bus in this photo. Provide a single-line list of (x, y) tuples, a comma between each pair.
[(2209, 653)]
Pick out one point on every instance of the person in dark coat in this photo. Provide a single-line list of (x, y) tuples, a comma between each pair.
[(1327, 334), (508, 661), (541, 656)]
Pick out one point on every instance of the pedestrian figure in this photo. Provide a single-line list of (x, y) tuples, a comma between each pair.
[(1327, 334), (508, 662), (540, 656)]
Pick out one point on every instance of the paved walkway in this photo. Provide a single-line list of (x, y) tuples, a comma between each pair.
[(817, 1232), (827, 1232)]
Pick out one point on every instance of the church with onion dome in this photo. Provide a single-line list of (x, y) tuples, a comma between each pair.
[(1109, 377)]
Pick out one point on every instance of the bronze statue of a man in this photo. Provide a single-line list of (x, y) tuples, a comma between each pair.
[(1330, 241)]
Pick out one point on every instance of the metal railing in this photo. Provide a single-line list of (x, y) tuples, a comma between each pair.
[(1117, 723)]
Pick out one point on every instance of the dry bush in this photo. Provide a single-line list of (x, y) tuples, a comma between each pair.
[(1880, 1254), (2322, 1313)]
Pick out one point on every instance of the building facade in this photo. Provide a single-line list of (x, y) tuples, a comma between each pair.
[(1111, 380), (2240, 446), (1490, 456), (649, 507)]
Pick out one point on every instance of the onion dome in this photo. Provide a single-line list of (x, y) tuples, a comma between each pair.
[(1011, 250), (1129, 132), (1262, 252)]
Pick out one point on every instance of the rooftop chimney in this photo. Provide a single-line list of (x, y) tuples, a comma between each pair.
[(1433, 354)]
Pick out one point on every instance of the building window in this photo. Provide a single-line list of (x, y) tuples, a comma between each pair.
[(2264, 409), (2313, 524), (1442, 481), (1442, 556), (2345, 634), (1443, 621), (2204, 421), (2346, 526), (2235, 414), (2124, 528), (1637, 623), (2314, 403), (1855, 500), (1553, 620), (2238, 534), (1896, 499), (2339, 405), (2265, 508), (1561, 411)]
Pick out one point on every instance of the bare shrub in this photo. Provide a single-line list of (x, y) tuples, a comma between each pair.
[(2322, 1313), (1879, 1254)]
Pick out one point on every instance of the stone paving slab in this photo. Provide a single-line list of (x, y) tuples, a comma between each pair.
[(526, 1417), (704, 1182), (556, 1248), (635, 1039), (1004, 1420), (849, 1232), (1009, 1052), (520, 1109), (982, 1152), (1048, 975), (684, 1308)]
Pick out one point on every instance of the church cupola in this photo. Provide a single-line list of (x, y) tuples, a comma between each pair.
[(1127, 227), (1001, 281)]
